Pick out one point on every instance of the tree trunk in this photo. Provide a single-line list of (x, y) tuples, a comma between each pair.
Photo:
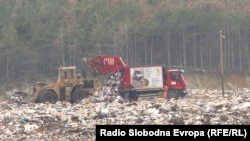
[(225, 48), (233, 55), (63, 62), (70, 57), (201, 52), (195, 47), (74, 52), (135, 63), (210, 51), (7, 63), (145, 55), (184, 48), (151, 51), (114, 40), (168, 49), (180, 52), (126, 43), (240, 57), (247, 50)]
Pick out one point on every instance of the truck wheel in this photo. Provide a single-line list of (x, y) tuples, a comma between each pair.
[(172, 94), (182, 94), (126, 97), (48, 96), (78, 95)]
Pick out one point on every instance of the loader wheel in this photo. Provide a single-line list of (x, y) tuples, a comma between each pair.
[(78, 95), (172, 94), (47, 96)]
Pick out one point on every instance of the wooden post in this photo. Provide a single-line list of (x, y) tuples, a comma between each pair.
[(221, 63)]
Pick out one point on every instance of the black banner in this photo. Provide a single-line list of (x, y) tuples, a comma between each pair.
[(188, 132)]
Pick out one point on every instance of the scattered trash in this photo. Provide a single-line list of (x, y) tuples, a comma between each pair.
[(66, 121)]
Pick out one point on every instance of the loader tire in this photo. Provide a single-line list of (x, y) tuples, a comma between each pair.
[(78, 95), (172, 94), (47, 96)]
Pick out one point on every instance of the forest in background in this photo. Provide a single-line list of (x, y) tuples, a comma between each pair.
[(37, 36)]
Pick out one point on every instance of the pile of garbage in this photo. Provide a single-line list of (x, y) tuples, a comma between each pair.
[(107, 94), (113, 82), (66, 121)]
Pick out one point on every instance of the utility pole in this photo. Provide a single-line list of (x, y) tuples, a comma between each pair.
[(221, 63)]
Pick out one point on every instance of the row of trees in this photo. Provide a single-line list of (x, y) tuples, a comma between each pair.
[(37, 36)]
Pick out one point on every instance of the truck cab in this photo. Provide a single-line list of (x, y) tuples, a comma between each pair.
[(176, 83)]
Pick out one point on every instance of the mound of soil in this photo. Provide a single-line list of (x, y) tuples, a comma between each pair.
[(213, 80)]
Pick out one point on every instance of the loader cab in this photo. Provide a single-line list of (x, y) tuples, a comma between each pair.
[(67, 76)]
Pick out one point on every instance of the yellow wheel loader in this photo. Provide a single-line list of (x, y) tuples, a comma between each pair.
[(69, 87)]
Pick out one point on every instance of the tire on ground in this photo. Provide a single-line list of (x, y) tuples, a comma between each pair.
[(126, 97), (182, 94), (78, 95), (47, 96), (172, 94)]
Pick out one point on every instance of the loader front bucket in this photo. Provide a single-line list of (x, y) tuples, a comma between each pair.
[(26, 98)]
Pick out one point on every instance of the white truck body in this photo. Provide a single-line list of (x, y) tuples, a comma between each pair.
[(146, 78)]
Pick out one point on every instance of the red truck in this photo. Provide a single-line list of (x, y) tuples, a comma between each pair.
[(148, 80)]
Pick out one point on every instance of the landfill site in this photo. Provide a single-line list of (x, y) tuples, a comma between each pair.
[(66, 121), (69, 115)]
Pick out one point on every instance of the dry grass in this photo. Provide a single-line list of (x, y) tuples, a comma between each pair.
[(213, 80)]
